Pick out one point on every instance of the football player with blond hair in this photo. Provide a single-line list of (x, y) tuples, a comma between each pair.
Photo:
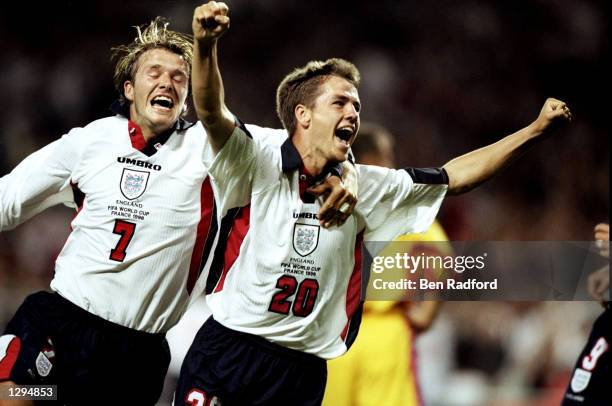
[(144, 228)]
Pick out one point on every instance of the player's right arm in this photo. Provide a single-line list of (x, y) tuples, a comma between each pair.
[(231, 165), (40, 181), (210, 21)]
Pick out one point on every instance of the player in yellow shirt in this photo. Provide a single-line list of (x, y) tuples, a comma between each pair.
[(380, 367)]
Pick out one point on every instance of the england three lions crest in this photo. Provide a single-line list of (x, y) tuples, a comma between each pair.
[(305, 238), (133, 183)]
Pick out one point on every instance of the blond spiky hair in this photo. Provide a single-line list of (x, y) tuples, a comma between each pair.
[(155, 35)]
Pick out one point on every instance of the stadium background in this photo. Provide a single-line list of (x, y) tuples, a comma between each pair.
[(445, 77)]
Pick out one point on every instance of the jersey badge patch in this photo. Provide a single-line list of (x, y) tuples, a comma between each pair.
[(305, 238), (44, 361), (43, 365), (580, 380), (133, 183)]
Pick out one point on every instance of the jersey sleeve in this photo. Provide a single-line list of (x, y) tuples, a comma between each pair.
[(40, 181), (245, 153), (232, 170), (394, 202), (267, 136)]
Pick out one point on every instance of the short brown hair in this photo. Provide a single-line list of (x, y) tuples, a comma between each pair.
[(302, 86), (155, 35)]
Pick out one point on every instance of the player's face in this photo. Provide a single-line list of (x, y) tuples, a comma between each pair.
[(158, 90), (335, 118)]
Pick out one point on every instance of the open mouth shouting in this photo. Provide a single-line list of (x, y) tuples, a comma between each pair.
[(162, 103), (344, 135)]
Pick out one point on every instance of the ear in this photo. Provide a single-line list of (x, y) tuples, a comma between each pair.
[(303, 115), (128, 90)]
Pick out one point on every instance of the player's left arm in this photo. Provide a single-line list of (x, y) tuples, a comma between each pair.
[(472, 169)]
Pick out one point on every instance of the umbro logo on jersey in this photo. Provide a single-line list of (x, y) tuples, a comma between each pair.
[(133, 183), (305, 216), (141, 164)]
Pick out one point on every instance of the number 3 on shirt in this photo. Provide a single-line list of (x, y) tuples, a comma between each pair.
[(304, 299), (126, 230)]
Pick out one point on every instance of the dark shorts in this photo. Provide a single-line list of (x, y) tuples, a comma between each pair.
[(592, 376), (91, 360), (235, 368)]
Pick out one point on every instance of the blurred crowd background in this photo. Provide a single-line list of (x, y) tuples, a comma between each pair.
[(444, 77)]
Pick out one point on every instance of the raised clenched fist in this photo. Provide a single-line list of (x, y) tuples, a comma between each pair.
[(210, 21), (553, 112)]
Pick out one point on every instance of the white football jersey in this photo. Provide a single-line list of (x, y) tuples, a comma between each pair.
[(278, 274), (145, 217)]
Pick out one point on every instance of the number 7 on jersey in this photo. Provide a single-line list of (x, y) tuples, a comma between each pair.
[(126, 230)]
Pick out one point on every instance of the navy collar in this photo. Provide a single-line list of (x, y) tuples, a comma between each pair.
[(123, 109), (290, 156)]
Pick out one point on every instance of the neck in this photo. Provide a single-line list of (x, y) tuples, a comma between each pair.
[(314, 161), (148, 133)]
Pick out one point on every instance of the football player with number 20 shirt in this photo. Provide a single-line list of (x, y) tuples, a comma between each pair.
[(287, 295)]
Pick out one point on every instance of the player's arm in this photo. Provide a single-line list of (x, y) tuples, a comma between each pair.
[(38, 182), (470, 170), (340, 194), (210, 21)]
